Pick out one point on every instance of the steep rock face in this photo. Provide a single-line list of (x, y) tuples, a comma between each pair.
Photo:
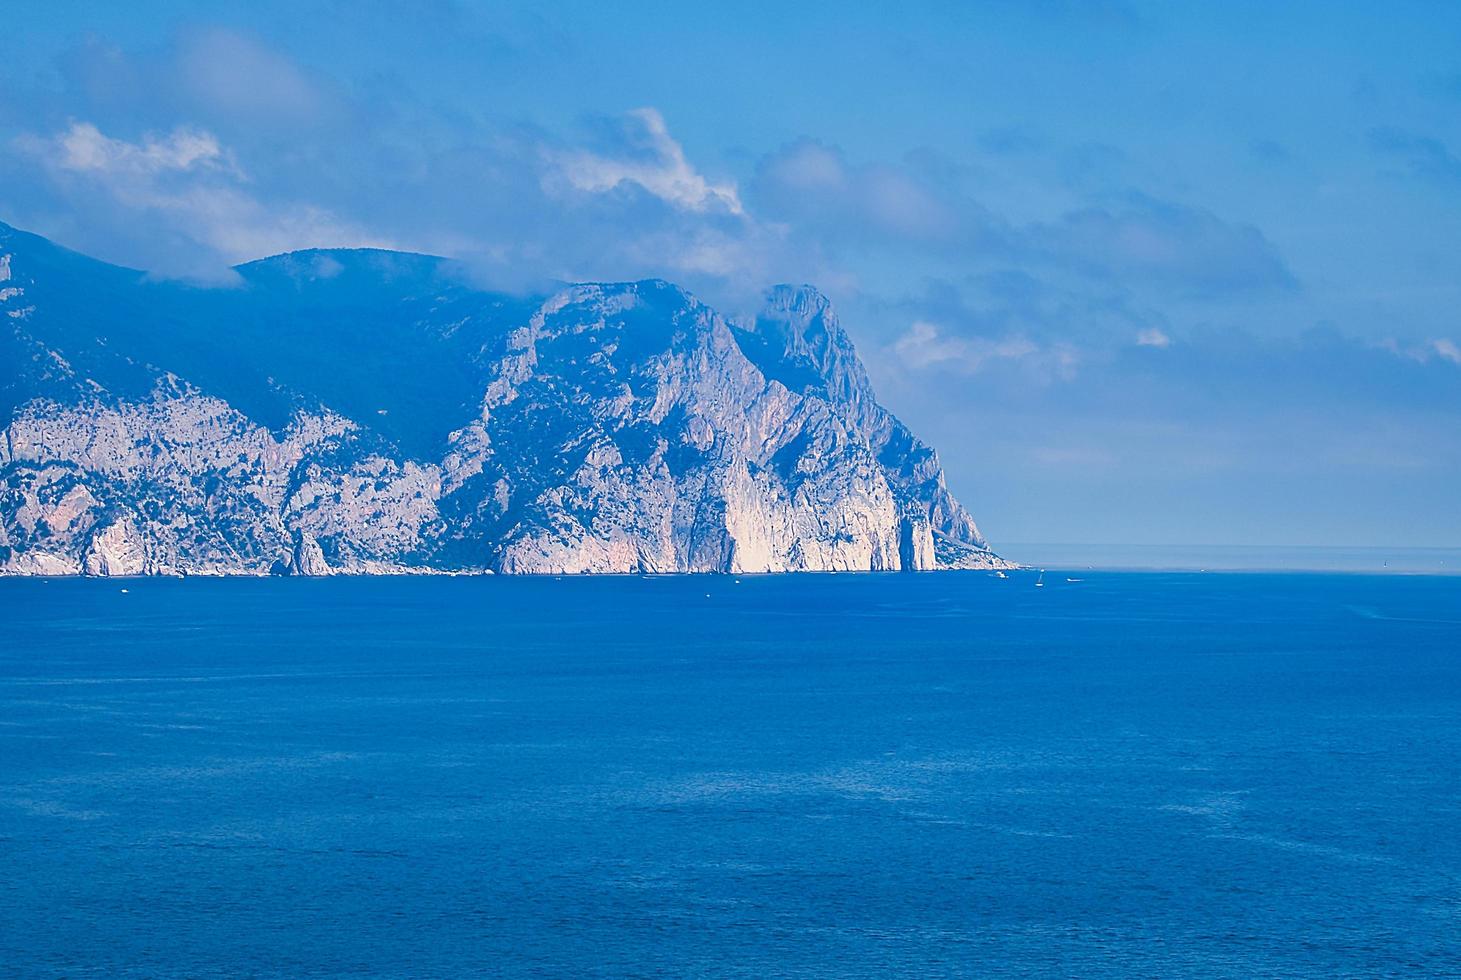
[(626, 430), (118, 549), (365, 412), (309, 557), (810, 334), (211, 492)]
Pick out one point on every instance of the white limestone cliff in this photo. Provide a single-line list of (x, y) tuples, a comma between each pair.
[(616, 428)]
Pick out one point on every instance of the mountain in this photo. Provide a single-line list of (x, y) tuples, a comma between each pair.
[(365, 411)]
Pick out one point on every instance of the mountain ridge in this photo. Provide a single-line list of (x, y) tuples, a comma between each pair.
[(369, 411)]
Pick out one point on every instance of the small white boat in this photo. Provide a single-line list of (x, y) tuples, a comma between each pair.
[(1040, 582)]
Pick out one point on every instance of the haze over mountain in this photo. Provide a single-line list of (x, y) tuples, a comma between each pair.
[(368, 411)]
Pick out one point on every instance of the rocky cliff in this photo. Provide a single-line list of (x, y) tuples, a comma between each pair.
[(368, 412)]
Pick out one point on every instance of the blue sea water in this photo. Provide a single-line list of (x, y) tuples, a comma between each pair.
[(1133, 775)]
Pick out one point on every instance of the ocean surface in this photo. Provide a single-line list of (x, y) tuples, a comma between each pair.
[(1131, 775)]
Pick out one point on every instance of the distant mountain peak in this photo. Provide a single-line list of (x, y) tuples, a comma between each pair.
[(802, 301)]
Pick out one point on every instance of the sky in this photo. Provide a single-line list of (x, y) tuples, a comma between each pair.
[(1144, 273)]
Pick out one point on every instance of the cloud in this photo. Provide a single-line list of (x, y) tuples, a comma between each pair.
[(926, 345), (238, 75), (83, 148), (651, 159), (1131, 238), (989, 308), (187, 202), (1421, 157), (1165, 244), (1441, 348), (236, 149), (229, 79), (813, 187), (1222, 401), (1152, 337), (189, 188)]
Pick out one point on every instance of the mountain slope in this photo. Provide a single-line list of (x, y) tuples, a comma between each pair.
[(367, 411)]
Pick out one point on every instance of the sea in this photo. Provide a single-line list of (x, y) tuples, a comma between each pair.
[(1115, 773)]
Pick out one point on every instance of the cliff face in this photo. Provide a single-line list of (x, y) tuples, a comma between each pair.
[(365, 412)]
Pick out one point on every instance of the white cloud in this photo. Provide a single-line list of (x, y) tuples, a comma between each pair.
[(660, 167), (1152, 337), (1443, 347), (83, 148), (926, 345), (191, 184)]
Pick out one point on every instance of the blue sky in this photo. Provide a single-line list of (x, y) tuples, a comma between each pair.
[(1166, 273)]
